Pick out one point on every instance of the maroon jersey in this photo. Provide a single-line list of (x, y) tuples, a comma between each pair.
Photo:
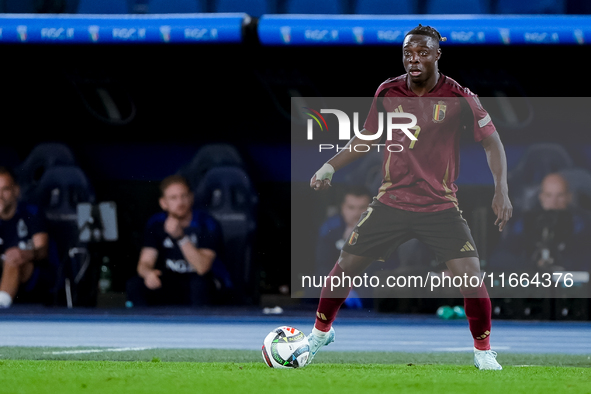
[(421, 176)]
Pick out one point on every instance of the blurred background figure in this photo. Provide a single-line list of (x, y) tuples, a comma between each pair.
[(180, 247), (336, 229), (26, 273), (553, 236)]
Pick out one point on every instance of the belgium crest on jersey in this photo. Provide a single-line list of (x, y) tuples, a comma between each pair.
[(439, 111)]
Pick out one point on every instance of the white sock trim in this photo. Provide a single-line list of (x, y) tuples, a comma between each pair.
[(319, 333)]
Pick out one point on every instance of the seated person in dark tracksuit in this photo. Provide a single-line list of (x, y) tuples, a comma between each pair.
[(26, 273), (553, 237), (180, 246)]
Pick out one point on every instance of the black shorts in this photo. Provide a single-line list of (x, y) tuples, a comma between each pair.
[(382, 229)]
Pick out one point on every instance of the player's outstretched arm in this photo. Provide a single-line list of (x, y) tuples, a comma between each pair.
[(497, 161), (323, 177)]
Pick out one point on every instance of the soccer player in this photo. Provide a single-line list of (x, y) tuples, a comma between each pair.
[(417, 198)]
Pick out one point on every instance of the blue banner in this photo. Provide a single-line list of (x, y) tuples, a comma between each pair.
[(122, 29), (291, 29), (459, 29)]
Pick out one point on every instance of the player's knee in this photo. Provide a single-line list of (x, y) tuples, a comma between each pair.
[(352, 264)]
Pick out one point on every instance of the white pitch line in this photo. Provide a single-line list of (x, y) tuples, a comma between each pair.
[(119, 349)]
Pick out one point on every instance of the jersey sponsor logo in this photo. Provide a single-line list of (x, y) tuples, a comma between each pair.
[(484, 121), (180, 266), (21, 229), (439, 110), (168, 243)]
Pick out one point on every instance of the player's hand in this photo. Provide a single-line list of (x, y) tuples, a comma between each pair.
[(502, 208), (321, 180), (173, 227), (319, 184), (152, 280)]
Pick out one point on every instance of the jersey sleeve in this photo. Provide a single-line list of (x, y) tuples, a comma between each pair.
[(482, 123)]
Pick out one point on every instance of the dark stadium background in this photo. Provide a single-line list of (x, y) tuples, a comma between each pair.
[(188, 96)]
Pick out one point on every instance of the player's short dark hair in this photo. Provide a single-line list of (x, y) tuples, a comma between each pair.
[(357, 191), (427, 31), (172, 180), (8, 171)]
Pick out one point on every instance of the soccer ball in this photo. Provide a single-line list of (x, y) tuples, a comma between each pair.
[(286, 347)]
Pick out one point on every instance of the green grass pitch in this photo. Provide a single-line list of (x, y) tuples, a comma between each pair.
[(49, 370)]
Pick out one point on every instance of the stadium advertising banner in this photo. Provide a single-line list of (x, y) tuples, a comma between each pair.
[(386, 30), (122, 29), (405, 153)]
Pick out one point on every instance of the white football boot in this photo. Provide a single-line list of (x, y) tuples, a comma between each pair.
[(316, 342), (486, 359)]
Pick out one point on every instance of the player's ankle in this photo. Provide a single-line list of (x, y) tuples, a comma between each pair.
[(482, 344), (319, 333)]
